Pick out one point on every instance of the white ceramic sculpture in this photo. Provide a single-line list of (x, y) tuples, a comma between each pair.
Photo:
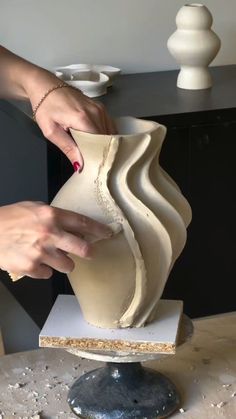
[(108, 70), (194, 45), (91, 83), (123, 186)]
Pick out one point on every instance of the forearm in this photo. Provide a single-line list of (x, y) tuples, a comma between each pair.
[(20, 78)]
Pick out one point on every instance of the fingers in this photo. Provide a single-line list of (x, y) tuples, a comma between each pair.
[(83, 120), (40, 272), (78, 223), (33, 270), (107, 123), (35, 238), (75, 245), (63, 140), (68, 236), (110, 125), (59, 261), (99, 113), (42, 267), (91, 117), (89, 120)]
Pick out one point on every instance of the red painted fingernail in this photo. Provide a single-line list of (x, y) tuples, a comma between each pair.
[(76, 166)]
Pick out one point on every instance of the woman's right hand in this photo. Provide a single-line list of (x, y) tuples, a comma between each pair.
[(36, 238)]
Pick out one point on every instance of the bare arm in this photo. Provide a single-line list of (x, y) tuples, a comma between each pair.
[(12, 71)]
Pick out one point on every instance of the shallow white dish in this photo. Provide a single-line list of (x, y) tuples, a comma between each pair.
[(111, 72), (91, 83)]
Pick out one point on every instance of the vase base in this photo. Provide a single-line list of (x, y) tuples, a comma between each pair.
[(194, 78)]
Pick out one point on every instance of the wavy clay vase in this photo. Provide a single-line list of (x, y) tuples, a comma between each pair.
[(123, 185), (194, 45)]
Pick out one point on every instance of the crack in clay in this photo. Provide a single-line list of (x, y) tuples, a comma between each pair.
[(102, 200), (103, 192)]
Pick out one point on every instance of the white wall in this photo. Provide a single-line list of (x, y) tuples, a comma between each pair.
[(130, 34)]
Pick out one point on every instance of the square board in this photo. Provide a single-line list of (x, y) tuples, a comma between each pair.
[(65, 327)]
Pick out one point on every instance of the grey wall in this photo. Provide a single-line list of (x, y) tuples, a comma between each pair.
[(19, 331), (23, 158), (130, 34)]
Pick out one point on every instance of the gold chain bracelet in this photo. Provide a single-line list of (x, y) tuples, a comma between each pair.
[(59, 86)]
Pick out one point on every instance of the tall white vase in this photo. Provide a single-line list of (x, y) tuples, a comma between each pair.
[(194, 45), (123, 185)]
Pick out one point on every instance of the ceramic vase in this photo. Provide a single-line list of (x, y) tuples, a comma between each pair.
[(123, 185), (194, 45)]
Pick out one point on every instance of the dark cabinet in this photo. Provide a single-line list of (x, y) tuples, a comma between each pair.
[(202, 160)]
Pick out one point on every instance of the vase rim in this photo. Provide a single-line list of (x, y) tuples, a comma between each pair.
[(142, 126), (194, 5)]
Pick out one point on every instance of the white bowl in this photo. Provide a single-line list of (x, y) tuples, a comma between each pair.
[(91, 83), (111, 72)]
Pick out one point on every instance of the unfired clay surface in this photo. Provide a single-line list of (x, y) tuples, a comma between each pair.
[(123, 185)]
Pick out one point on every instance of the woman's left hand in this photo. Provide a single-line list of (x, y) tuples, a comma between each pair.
[(62, 109), (66, 108)]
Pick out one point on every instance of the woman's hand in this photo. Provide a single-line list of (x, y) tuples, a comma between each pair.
[(36, 238), (66, 108), (62, 109)]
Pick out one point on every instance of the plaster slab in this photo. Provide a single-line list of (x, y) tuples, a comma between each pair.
[(66, 328)]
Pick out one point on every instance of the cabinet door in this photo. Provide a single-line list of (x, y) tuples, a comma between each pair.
[(174, 159), (205, 275)]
